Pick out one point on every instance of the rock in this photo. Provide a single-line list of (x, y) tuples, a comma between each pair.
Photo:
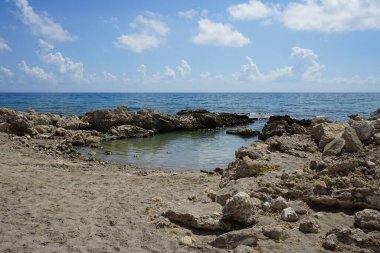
[(240, 208), (298, 206), (352, 142), (356, 117), (279, 204), (129, 131), (245, 167), (71, 122), (309, 226), (298, 129), (42, 129), (21, 126), (376, 114), (244, 249), (243, 132), (60, 131), (334, 147), (376, 138), (187, 240), (4, 126), (363, 129), (235, 238), (326, 132), (254, 151), (288, 214), (368, 220), (266, 206), (294, 145), (275, 233), (352, 240), (200, 216)]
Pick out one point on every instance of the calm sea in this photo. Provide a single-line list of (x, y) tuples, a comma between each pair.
[(193, 150)]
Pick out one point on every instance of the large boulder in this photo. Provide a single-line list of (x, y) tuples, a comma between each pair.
[(334, 147), (364, 129), (282, 125), (352, 141), (241, 208), (245, 132), (103, 120), (21, 126), (326, 132)]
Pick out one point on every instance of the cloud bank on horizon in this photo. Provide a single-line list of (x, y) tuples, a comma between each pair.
[(253, 45)]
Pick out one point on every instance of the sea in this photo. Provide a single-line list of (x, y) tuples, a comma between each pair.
[(200, 149)]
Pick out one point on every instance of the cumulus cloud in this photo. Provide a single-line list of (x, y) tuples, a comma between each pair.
[(219, 34), (332, 15), (64, 65), (205, 76), (142, 70), (5, 72), (41, 24), (306, 66), (250, 72), (37, 73), (151, 34), (169, 73), (4, 45), (253, 10), (183, 68)]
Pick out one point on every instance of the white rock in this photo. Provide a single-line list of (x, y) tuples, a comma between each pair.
[(288, 214)]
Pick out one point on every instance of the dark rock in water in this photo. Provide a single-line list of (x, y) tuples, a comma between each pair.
[(243, 132), (376, 114), (282, 125), (189, 111)]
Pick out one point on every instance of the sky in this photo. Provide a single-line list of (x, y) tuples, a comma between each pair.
[(190, 46)]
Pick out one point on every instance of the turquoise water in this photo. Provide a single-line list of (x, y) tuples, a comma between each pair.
[(193, 150)]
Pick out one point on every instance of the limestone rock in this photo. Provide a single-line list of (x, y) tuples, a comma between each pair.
[(4, 126), (288, 214), (129, 131), (364, 129), (352, 142), (334, 147), (368, 220), (326, 132), (71, 122), (275, 233), (376, 114), (21, 126), (254, 151), (279, 204), (240, 208), (309, 226), (187, 240), (376, 138), (235, 238)]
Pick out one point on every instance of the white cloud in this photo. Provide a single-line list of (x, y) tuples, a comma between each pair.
[(37, 73), (333, 15), (306, 66), (189, 14), (6, 72), (205, 76), (150, 24), (169, 73), (41, 24), (219, 34), (109, 77), (142, 69), (253, 10), (63, 64), (138, 43), (152, 32), (4, 45), (183, 68)]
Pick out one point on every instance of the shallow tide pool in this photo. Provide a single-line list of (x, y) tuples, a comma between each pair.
[(188, 150)]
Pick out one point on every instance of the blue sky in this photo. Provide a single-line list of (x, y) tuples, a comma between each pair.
[(190, 46)]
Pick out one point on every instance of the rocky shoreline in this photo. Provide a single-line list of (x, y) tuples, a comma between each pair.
[(309, 185)]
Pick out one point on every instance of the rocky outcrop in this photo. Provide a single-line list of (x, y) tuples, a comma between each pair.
[(375, 115), (71, 122), (352, 141), (326, 132), (364, 129), (283, 125), (129, 131)]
